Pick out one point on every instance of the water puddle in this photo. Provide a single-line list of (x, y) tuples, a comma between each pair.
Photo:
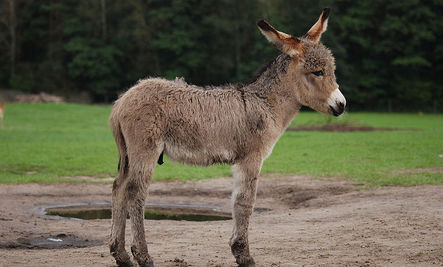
[(153, 211), (50, 242)]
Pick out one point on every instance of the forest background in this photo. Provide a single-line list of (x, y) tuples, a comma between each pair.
[(388, 53)]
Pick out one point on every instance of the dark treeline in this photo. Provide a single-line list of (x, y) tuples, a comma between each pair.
[(388, 53)]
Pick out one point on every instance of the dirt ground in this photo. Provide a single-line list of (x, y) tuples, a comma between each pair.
[(311, 222)]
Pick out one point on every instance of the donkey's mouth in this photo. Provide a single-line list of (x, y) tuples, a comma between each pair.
[(338, 110)]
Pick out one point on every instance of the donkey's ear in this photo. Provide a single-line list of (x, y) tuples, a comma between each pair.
[(284, 42), (319, 27)]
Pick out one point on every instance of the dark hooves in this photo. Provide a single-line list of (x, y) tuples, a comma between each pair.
[(146, 264), (128, 263)]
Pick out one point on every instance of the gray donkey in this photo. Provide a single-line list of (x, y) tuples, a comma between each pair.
[(235, 124)]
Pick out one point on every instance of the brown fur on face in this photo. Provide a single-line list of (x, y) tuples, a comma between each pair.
[(313, 91), (309, 56)]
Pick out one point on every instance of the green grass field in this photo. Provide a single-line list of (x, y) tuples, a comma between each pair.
[(47, 142)]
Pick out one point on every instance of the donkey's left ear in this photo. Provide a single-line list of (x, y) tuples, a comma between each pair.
[(284, 42), (319, 27)]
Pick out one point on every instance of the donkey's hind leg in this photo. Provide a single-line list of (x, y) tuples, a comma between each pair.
[(140, 175), (243, 200), (119, 214)]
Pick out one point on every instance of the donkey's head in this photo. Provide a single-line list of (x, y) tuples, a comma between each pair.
[(311, 71)]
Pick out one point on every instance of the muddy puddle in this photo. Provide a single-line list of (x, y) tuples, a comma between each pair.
[(153, 211), (50, 242)]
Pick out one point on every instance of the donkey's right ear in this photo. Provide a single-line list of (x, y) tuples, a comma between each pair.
[(284, 42)]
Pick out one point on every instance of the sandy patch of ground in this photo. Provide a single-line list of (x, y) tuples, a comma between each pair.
[(312, 222), (89, 179)]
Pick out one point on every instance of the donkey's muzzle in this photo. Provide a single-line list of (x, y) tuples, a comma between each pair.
[(338, 110), (337, 103)]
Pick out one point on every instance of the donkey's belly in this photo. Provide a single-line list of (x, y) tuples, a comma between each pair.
[(201, 156)]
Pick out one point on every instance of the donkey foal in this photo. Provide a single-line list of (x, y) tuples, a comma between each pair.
[(234, 124)]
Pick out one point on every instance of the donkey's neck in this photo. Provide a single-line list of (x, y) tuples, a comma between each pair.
[(270, 85), (269, 76)]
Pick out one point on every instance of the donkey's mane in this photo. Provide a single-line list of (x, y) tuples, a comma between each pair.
[(264, 77), (268, 71)]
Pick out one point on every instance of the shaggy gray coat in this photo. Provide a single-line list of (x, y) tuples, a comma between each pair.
[(234, 124)]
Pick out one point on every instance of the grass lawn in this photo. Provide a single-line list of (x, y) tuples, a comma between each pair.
[(46, 142)]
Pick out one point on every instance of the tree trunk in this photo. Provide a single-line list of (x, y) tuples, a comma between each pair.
[(237, 50), (12, 32), (103, 13)]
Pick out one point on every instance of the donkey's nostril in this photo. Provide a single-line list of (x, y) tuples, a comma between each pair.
[(338, 109), (333, 111)]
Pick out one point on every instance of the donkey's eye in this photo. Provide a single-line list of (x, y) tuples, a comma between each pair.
[(318, 73)]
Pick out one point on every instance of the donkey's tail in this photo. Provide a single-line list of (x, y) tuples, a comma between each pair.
[(123, 162)]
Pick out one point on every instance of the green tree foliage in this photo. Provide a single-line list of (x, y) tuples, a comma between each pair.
[(394, 52), (388, 53), (91, 60)]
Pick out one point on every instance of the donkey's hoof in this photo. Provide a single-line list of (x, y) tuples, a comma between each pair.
[(143, 259), (127, 263), (123, 260), (248, 262), (148, 263)]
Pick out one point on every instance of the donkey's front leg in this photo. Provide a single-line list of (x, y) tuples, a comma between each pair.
[(243, 199)]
